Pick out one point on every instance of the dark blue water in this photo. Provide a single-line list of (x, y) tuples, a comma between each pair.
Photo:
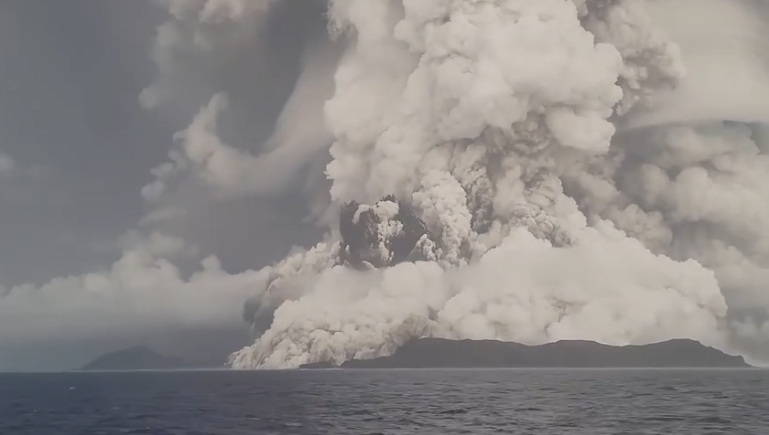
[(547, 402)]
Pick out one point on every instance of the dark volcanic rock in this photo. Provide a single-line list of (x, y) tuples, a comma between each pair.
[(318, 365), (381, 235), (441, 353), (136, 358)]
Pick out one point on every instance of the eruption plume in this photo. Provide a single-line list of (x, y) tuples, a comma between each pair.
[(523, 170)]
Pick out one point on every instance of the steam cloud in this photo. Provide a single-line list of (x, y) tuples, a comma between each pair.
[(583, 169), (140, 294), (496, 121)]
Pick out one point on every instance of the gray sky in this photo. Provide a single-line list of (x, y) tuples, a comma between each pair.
[(69, 117), (83, 147)]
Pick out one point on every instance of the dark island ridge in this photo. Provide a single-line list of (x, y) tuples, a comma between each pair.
[(444, 353)]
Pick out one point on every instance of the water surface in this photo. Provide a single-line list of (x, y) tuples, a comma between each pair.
[(441, 402)]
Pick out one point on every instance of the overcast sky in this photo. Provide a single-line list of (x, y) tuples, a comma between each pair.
[(70, 120), (77, 148)]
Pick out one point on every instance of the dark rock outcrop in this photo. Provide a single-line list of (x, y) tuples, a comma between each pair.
[(442, 353), (373, 236), (319, 365), (380, 235)]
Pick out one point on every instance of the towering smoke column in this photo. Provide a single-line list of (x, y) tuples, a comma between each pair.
[(698, 158), (493, 122)]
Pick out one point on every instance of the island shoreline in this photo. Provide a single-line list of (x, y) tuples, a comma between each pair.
[(437, 353)]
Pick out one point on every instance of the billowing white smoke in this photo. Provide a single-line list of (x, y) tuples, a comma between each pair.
[(231, 172), (493, 119), (140, 294)]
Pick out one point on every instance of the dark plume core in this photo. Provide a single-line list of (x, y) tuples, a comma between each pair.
[(373, 236), (373, 239)]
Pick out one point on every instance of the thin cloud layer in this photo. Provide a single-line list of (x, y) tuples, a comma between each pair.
[(141, 293)]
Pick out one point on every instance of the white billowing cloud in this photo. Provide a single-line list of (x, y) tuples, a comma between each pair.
[(587, 235), (299, 137), (694, 184), (608, 289), (209, 26), (140, 294), (223, 167)]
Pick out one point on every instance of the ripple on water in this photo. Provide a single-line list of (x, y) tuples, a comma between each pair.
[(379, 402)]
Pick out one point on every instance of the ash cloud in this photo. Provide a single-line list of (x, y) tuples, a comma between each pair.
[(497, 122), (141, 295), (565, 180)]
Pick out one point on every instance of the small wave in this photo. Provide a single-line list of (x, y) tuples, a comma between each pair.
[(715, 420), (452, 412)]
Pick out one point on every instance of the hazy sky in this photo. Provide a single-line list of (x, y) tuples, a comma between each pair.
[(77, 148), (69, 118)]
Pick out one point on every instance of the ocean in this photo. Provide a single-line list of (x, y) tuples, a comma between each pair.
[(441, 402)]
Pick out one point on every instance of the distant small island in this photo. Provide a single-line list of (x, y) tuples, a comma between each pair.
[(443, 353), (141, 358)]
